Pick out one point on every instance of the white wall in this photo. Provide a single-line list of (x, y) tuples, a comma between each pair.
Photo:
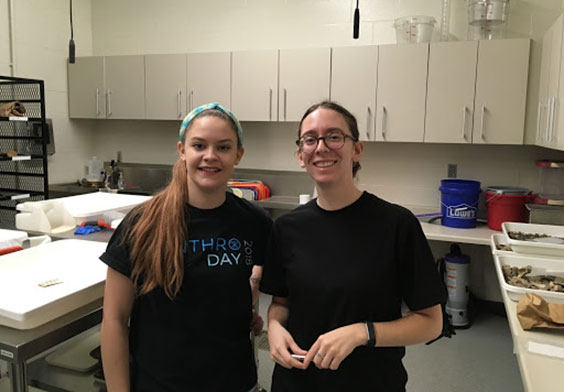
[(405, 173), (41, 33)]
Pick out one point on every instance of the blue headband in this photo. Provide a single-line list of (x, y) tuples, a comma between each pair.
[(208, 106)]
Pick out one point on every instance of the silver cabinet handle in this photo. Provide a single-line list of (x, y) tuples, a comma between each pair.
[(548, 120), (97, 102), (191, 106), (270, 104), (552, 116), (368, 122), (384, 122), (464, 111), (109, 103), (539, 109), (482, 135), (179, 103), (285, 103)]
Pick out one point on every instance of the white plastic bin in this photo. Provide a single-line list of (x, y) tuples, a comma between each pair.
[(414, 29), (58, 215)]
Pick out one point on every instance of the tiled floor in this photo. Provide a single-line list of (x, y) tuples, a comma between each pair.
[(479, 358)]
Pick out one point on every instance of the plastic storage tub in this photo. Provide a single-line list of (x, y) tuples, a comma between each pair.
[(542, 246), (414, 29), (507, 204), (487, 12), (56, 215), (540, 266), (551, 180)]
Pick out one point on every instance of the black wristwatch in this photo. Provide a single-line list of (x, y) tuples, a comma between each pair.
[(370, 333)]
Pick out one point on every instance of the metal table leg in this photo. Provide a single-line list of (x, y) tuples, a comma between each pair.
[(18, 377)]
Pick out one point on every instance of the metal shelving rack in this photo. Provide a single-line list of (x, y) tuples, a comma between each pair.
[(23, 177)]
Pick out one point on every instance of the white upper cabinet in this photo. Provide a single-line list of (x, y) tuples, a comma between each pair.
[(254, 93), (542, 108), (125, 87), (353, 84), (450, 92), (501, 91), (208, 79), (165, 86), (401, 94), (86, 88), (303, 80)]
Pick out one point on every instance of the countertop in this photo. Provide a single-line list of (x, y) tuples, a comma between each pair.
[(433, 231)]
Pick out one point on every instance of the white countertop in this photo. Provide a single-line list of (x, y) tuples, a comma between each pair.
[(479, 235)]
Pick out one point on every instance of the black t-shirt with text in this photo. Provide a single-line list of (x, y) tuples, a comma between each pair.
[(343, 267), (200, 340)]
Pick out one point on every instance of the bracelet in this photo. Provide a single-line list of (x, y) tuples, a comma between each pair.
[(370, 334)]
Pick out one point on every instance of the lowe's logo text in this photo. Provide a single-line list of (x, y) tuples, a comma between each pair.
[(461, 211)]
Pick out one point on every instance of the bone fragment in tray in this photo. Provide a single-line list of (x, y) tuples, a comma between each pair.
[(519, 276)]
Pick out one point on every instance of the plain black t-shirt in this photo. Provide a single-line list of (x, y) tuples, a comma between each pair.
[(199, 341), (347, 266)]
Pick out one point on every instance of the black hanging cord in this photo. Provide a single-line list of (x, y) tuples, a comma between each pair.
[(356, 24), (71, 42)]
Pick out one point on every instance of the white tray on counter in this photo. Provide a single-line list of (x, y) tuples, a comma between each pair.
[(534, 247), (24, 304), (499, 239), (540, 266)]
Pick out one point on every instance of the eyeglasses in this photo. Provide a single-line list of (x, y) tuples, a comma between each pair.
[(333, 141)]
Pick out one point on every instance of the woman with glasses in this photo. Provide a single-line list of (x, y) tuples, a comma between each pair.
[(339, 268), (183, 269)]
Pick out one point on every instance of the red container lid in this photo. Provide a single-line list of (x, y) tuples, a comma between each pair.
[(554, 164), (508, 190)]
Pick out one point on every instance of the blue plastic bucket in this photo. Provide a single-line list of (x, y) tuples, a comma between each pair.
[(459, 203)]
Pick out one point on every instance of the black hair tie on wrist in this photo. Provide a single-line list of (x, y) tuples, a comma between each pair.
[(370, 333)]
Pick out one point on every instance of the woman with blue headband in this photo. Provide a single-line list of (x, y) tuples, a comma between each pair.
[(184, 271)]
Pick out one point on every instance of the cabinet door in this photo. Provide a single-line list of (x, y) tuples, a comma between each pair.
[(353, 84), (304, 80), (165, 86), (501, 91), (125, 87), (450, 92), (554, 81), (86, 88), (208, 79), (254, 95), (542, 108), (402, 89)]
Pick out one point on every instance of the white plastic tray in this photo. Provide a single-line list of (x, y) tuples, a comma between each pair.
[(16, 235), (540, 266), (92, 206), (533, 247), (24, 304), (499, 239)]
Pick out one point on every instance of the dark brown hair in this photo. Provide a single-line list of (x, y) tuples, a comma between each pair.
[(347, 116), (160, 229)]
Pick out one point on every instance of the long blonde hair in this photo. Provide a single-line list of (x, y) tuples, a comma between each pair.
[(159, 230)]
